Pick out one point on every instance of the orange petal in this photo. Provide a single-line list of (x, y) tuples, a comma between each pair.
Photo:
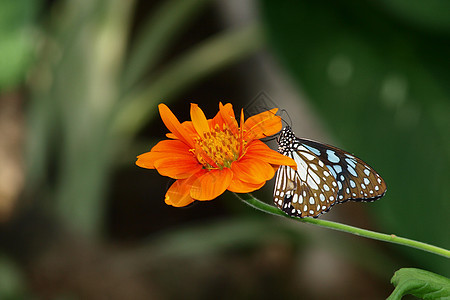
[(252, 170), (177, 166), (242, 122), (211, 184), (178, 194), (186, 125), (216, 121), (239, 186), (241, 133), (147, 160), (259, 150), (199, 120), (171, 146), (174, 125), (262, 125), (227, 114), (162, 150)]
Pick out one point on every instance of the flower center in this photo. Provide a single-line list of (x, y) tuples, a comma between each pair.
[(218, 148)]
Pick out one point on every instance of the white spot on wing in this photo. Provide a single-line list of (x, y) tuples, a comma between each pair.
[(301, 166), (351, 170), (351, 162), (308, 156), (315, 177), (311, 183), (338, 168), (332, 156), (313, 150)]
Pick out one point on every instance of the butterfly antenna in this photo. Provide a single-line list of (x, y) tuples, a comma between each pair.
[(289, 117)]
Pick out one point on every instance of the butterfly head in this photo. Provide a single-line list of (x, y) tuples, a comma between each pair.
[(285, 138)]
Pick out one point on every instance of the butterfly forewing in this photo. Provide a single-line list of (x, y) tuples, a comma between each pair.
[(325, 175), (356, 180)]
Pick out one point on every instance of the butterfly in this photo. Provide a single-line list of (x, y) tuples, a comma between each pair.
[(325, 176)]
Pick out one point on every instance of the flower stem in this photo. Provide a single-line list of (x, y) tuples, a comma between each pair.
[(390, 238)]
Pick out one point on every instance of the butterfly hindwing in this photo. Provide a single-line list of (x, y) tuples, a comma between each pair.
[(325, 175), (307, 191)]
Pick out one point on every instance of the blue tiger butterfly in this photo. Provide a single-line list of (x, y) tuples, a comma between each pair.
[(325, 176)]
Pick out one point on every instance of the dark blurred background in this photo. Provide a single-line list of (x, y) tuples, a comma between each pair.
[(80, 82)]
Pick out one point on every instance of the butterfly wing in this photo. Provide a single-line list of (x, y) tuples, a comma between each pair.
[(356, 180), (308, 191), (325, 175)]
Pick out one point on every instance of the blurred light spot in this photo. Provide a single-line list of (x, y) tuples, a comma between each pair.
[(11, 162), (394, 90), (340, 70), (408, 116)]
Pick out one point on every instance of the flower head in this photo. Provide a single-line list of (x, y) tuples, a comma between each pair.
[(207, 157)]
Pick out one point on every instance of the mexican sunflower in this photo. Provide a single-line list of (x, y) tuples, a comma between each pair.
[(207, 157)]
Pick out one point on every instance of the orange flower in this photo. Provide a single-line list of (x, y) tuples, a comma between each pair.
[(208, 157)]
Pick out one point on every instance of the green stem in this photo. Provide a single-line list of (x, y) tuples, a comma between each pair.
[(390, 238)]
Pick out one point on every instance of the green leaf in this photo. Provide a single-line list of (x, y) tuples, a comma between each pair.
[(382, 89), (420, 283)]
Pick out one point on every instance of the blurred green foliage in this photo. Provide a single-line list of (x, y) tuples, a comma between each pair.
[(431, 15), (17, 32), (12, 283), (381, 84)]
